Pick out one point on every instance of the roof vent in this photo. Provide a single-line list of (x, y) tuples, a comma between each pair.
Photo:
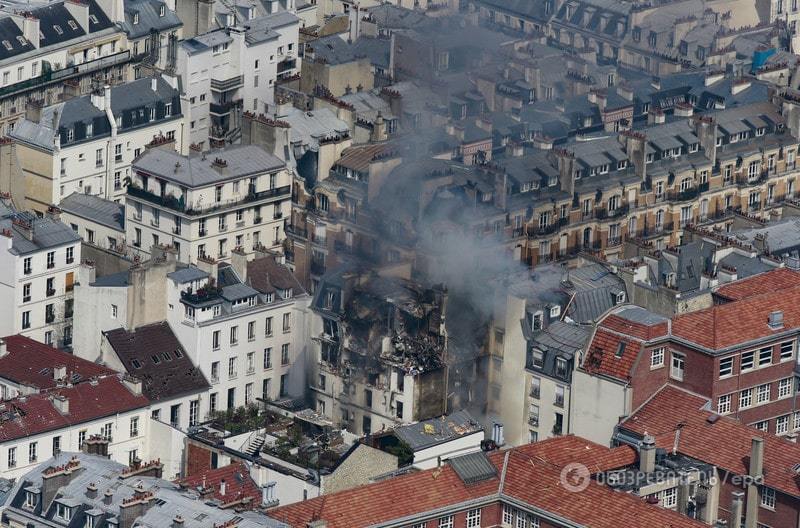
[(776, 319)]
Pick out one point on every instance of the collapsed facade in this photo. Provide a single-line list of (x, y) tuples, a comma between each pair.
[(379, 351)]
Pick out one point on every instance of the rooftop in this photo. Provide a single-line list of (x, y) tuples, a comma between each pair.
[(525, 475), (216, 166), (31, 363), (428, 433), (31, 234), (238, 483), (95, 209), (154, 355), (721, 441)]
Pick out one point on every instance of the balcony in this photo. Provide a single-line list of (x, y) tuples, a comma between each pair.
[(226, 85), (222, 109), (614, 241), (684, 195), (50, 76), (534, 421), (50, 292), (602, 213), (257, 220), (178, 204)]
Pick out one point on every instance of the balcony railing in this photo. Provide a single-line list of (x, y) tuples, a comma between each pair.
[(50, 76), (222, 109), (178, 204)]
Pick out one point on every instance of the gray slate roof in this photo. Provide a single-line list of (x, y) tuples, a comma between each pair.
[(149, 18), (47, 233), (428, 433), (195, 171), (105, 474), (96, 209), (187, 274)]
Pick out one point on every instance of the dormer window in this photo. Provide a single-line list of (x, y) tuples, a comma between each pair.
[(63, 512), (93, 19), (555, 311), (287, 294), (637, 34), (652, 39), (622, 164), (58, 29), (619, 297), (73, 26), (31, 499), (537, 321), (329, 300), (694, 147), (760, 131), (216, 310), (89, 130), (162, 10), (135, 18), (21, 40), (537, 357), (7, 45), (70, 134), (270, 297)]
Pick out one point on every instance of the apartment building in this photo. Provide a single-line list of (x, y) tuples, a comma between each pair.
[(234, 69), (378, 351), (502, 488), (88, 490), (153, 30), (98, 221), (243, 326), (57, 50), (756, 471), (541, 327), (106, 414), (207, 205), (740, 354), (87, 144), (41, 257)]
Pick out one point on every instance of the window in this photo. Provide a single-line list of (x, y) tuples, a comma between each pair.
[(175, 415), (106, 431), (267, 358), (26, 320), (559, 398), (724, 404), (446, 522), (762, 393), (27, 265), (63, 512), (232, 367), (51, 259), (215, 340), (535, 387), (782, 424), (657, 358), (767, 497), (26, 292), (287, 325), (56, 445), (12, 457), (785, 388), (248, 394), (787, 350), (561, 367), (81, 438), (268, 326), (748, 360), (212, 402), (134, 427), (285, 354), (762, 426), (508, 515), (669, 498), (251, 364), (726, 367), (32, 451), (474, 518), (765, 356), (745, 398), (399, 413), (234, 335), (678, 363)]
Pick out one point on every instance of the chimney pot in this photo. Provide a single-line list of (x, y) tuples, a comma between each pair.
[(222, 487)]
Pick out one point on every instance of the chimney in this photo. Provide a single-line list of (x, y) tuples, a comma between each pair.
[(108, 497), (636, 149), (54, 213), (222, 487), (736, 510), (98, 99), (656, 116), (683, 493), (684, 109), (33, 111), (3, 348), (55, 478), (24, 228), (775, 320), (61, 403), (647, 454), (91, 491), (756, 474), (239, 263), (177, 521), (132, 384), (30, 29), (706, 132)]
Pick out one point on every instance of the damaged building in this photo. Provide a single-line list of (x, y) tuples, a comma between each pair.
[(381, 351)]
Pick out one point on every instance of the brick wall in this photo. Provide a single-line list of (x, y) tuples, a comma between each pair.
[(198, 459)]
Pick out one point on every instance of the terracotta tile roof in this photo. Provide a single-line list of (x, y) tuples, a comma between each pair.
[(35, 414), (238, 483), (738, 322), (266, 275), (606, 357), (532, 475), (726, 443), (173, 375), (772, 281), (31, 363), (634, 329)]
